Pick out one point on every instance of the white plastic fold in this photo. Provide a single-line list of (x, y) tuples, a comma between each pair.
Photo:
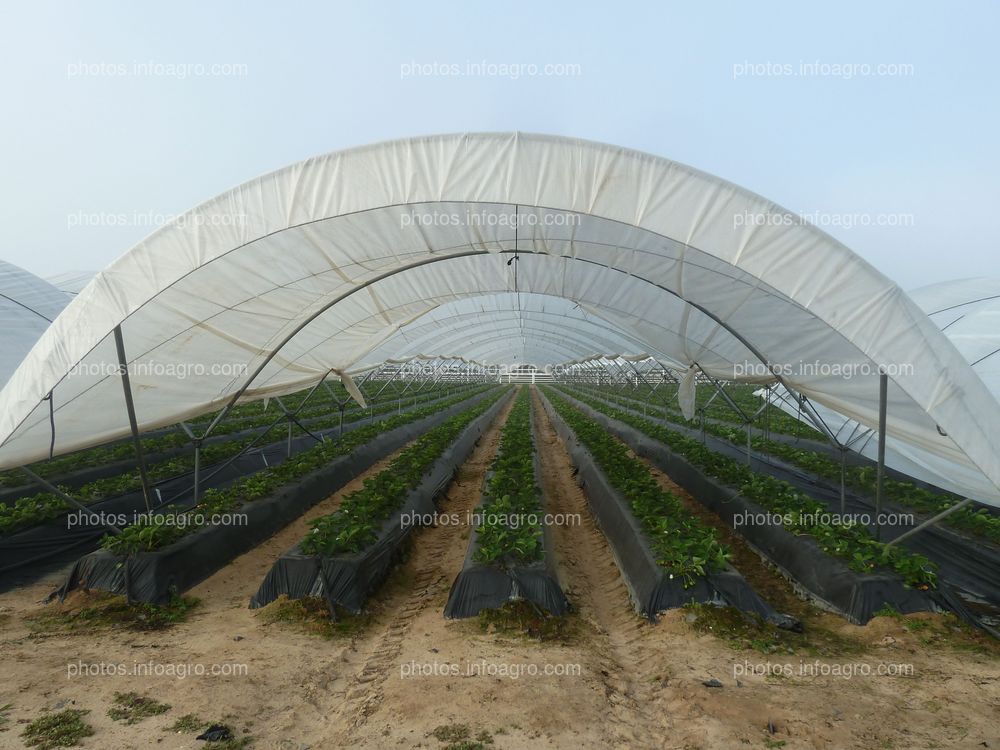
[(686, 394)]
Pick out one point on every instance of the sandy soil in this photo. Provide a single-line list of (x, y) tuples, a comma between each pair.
[(616, 681)]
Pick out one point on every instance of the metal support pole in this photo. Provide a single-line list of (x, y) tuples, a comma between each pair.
[(883, 409), (260, 435), (370, 373), (666, 371), (329, 389), (930, 522), (437, 379), (130, 408), (720, 389), (410, 385), (612, 375), (196, 441), (843, 481), (641, 377), (293, 420), (431, 381), (598, 371), (711, 399), (197, 469), (625, 376), (806, 407), (386, 385), (767, 413), (48, 487)]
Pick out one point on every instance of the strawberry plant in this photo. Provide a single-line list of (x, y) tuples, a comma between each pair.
[(510, 530), (355, 525), (41, 507), (851, 542), (320, 415), (862, 479), (682, 545), (177, 524)]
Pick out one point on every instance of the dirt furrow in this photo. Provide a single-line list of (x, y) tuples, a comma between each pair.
[(595, 586), (436, 556)]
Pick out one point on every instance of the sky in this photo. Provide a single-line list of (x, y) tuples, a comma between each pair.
[(877, 120)]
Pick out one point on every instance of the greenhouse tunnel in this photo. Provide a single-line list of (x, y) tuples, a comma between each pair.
[(498, 249)]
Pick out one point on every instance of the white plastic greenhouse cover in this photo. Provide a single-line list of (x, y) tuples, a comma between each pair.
[(71, 282), (306, 271), (968, 312), (27, 306), (523, 328)]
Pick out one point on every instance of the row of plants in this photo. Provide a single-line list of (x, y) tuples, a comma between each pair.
[(86, 459), (322, 400), (862, 479), (683, 546), (510, 530), (665, 398), (245, 416), (355, 524), (173, 525), (45, 506), (799, 513), (336, 393), (151, 445), (742, 394)]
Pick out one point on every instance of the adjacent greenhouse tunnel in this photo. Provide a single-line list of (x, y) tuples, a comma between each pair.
[(497, 249), (28, 305)]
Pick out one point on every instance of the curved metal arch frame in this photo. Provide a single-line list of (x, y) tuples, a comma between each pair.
[(604, 324), (421, 331), (465, 254)]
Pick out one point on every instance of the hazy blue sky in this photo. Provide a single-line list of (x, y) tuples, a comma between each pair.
[(85, 145)]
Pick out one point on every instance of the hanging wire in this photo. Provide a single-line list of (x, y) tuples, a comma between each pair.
[(52, 424), (515, 262), (516, 256)]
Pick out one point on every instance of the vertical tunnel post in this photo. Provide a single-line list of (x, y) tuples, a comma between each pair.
[(843, 480), (196, 442), (130, 409), (883, 410)]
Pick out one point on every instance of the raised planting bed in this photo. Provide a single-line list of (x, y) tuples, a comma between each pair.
[(510, 554), (33, 551), (963, 546), (31, 509), (160, 443), (967, 564), (666, 556), (719, 412), (82, 472), (150, 562), (822, 461), (348, 553), (841, 567)]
